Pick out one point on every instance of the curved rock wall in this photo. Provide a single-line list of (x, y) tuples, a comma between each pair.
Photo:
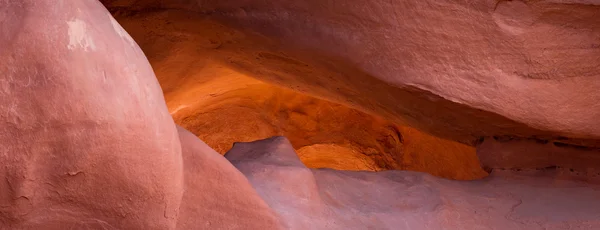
[(222, 106), (87, 141), (462, 72), (235, 108), (459, 70)]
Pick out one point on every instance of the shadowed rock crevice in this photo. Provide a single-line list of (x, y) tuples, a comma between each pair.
[(325, 134), (522, 154)]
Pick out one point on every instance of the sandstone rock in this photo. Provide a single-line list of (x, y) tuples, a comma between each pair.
[(85, 135), (338, 157), (458, 70), (533, 154), (439, 157), (330, 199), (231, 107), (217, 195), (297, 200), (245, 110), (86, 139)]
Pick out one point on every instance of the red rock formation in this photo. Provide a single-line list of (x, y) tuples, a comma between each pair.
[(87, 141), (217, 195), (223, 106), (508, 154), (235, 108), (85, 135), (247, 110), (459, 70)]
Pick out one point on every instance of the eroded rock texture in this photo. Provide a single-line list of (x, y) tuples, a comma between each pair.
[(87, 140), (222, 106), (235, 108), (508, 154), (463, 71), (244, 109)]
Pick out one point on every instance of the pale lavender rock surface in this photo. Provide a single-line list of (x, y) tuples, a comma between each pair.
[(329, 199)]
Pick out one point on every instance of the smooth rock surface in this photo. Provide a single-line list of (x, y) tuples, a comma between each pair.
[(462, 71), (223, 106), (216, 195), (458, 70), (329, 199), (86, 140)]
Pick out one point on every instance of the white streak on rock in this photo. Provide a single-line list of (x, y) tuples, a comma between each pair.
[(78, 37)]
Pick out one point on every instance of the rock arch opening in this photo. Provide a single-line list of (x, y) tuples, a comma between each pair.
[(237, 108), (223, 104)]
